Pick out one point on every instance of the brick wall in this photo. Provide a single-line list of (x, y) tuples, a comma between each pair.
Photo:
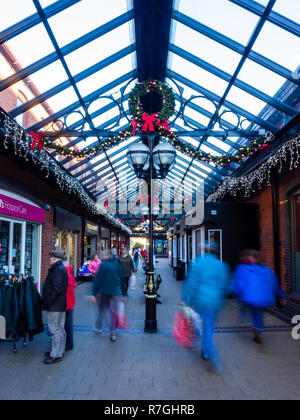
[(266, 228), (47, 243)]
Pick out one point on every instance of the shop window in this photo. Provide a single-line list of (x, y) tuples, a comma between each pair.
[(31, 250), (16, 250), (4, 245), (20, 247)]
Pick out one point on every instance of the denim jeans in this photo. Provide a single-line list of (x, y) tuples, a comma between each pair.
[(209, 348), (107, 304), (257, 316)]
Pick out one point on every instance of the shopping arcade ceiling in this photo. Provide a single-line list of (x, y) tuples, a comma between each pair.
[(80, 57)]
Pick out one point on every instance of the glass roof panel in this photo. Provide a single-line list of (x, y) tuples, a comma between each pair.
[(97, 50), (12, 13), (196, 74), (222, 16), (45, 3), (206, 48), (83, 17), (31, 45), (261, 78), (218, 143), (105, 76), (289, 8), (284, 51), (59, 101), (248, 102), (37, 83)]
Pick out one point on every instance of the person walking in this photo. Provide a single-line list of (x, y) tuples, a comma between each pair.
[(126, 268), (55, 303), (94, 264), (71, 303), (136, 257), (257, 287), (107, 292), (205, 291)]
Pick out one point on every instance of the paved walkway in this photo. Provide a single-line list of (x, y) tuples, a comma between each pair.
[(147, 367)]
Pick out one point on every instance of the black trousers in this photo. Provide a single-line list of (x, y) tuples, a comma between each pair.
[(69, 330), (124, 286)]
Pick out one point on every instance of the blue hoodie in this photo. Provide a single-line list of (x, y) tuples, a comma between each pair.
[(207, 285), (256, 285)]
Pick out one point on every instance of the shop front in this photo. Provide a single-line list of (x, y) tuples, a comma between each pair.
[(20, 235), (65, 235), (90, 240), (161, 247)]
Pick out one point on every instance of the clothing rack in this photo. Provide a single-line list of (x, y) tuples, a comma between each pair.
[(13, 280)]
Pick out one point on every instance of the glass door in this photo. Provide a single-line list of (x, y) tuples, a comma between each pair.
[(215, 238)]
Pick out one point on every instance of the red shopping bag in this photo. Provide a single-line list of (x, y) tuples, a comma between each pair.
[(121, 319), (183, 331)]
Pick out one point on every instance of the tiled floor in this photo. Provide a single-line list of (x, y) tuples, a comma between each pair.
[(140, 366)]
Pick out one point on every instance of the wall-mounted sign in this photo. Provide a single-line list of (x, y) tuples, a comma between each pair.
[(91, 228), (15, 208)]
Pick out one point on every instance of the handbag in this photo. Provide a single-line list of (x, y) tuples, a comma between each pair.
[(132, 282)]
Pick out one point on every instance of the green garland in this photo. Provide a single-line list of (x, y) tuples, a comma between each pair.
[(160, 125)]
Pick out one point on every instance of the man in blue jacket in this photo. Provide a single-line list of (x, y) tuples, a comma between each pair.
[(205, 291), (257, 287), (55, 303)]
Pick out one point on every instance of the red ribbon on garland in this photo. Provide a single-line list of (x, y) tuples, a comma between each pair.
[(38, 139), (264, 147), (149, 121)]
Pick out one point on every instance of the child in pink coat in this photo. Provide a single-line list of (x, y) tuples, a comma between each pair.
[(94, 265)]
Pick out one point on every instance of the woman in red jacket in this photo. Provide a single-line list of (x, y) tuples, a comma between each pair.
[(71, 302)]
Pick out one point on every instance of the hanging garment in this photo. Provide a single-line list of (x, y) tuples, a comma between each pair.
[(21, 306)]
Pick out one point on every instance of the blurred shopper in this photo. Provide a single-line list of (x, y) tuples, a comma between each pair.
[(71, 303), (126, 268), (257, 287), (55, 303), (205, 291), (143, 255), (136, 257), (94, 265), (114, 253), (107, 292)]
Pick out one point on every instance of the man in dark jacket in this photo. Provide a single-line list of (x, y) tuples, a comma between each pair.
[(55, 303)]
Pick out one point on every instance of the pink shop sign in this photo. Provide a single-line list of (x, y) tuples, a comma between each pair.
[(15, 208)]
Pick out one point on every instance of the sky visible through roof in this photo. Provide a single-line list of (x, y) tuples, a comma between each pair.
[(223, 16)]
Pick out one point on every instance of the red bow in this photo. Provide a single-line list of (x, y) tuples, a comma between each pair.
[(134, 126), (164, 124), (106, 203), (149, 121), (37, 139), (264, 147), (172, 219)]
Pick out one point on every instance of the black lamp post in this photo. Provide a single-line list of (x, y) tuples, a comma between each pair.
[(149, 162)]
